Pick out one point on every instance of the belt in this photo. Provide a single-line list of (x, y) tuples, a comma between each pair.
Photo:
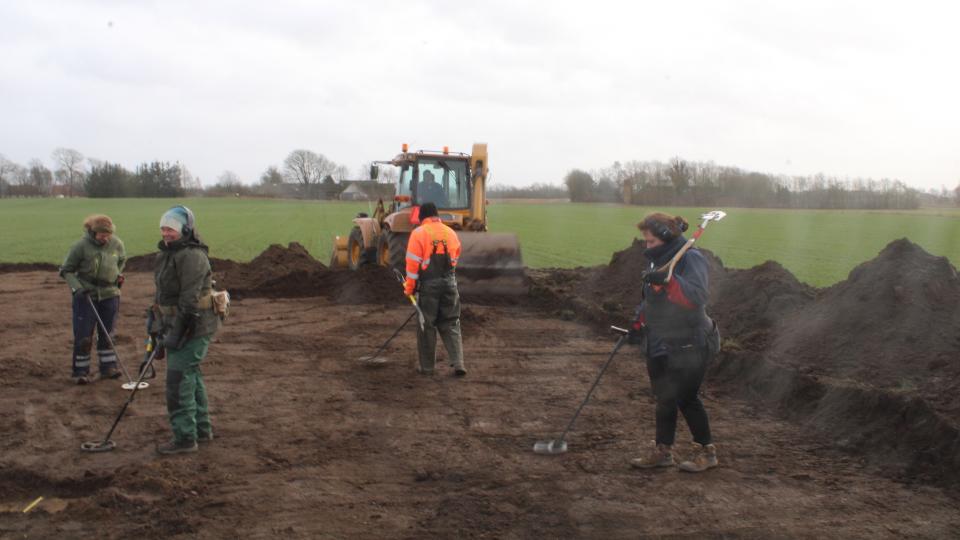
[(205, 302)]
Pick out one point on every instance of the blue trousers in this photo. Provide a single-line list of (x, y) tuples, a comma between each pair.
[(85, 326)]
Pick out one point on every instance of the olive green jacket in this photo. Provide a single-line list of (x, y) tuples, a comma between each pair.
[(95, 267), (183, 278)]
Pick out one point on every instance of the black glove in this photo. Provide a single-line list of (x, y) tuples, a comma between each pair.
[(181, 331), (655, 277)]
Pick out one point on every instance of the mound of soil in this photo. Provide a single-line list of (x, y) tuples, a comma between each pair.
[(7, 268), (291, 272), (145, 263), (748, 303), (892, 322)]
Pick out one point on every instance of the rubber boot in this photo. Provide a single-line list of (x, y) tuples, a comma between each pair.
[(204, 436), (661, 455), (177, 447), (703, 458), (110, 372)]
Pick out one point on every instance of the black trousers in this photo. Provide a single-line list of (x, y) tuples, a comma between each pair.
[(676, 380)]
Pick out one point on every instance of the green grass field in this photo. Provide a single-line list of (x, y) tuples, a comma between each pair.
[(820, 247)]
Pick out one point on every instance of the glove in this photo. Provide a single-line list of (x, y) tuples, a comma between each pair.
[(655, 277), (176, 337), (120, 280), (409, 287)]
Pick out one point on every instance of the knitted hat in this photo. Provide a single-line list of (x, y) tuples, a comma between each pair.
[(99, 223), (178, 218)]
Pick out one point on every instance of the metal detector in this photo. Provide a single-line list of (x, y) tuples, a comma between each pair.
[(129, 385), (106, 444), (559, 446)]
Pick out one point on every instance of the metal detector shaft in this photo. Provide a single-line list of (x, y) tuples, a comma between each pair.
[(130, 399), (395, 334), (106, 334), (620, 342)]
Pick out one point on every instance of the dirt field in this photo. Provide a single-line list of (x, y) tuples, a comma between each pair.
[(313, 443)]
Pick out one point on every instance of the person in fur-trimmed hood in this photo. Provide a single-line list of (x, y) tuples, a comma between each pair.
[(94, 271)]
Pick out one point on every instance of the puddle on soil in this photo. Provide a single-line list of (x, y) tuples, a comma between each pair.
[(50, 505)]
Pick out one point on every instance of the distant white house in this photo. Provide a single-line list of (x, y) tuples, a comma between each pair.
[(366, 190)]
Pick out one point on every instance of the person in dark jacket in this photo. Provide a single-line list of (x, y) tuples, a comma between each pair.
[(680, 340), (93, 270), (185, 319)]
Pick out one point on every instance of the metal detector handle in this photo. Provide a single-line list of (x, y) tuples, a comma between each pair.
[(620, 342), (420, 316)]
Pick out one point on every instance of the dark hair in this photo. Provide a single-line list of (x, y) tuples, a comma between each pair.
[(664, 226), (428, 210)]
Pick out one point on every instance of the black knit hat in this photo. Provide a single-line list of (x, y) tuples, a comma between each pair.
[(428, 210)]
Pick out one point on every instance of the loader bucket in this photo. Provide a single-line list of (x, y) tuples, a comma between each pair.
[(487, 255), (339, 256)]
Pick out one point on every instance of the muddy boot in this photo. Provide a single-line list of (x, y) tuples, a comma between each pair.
[(204, 436), (177, 447), (660, 456), (110, 372), (460, 371), (424, 372), (703, 458), (81, 379)]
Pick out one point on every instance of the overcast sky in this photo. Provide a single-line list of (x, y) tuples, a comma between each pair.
[(844, 88)]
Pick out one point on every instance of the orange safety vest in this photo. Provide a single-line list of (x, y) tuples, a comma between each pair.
[(431, 244)]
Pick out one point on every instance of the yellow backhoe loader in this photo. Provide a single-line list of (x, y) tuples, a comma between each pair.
[(456, 183)]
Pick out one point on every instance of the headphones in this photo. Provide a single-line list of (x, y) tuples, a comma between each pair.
[(662, 231)]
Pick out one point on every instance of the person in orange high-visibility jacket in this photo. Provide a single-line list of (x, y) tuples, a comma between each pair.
[(432, 254)]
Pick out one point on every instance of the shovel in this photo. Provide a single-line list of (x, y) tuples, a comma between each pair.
[(559, 446), (716, 215)]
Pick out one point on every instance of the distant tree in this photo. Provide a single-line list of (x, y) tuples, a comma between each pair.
[(229, 178), (40, 177), (271, 177), (307, 169), (580, 185), (70, 168), (7, 173), (956, 194), (108, 180), (341, 173), (159, 179), (679, 173)]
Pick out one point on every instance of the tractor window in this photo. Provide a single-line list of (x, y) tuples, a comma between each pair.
[(444, 183), (405, 186)]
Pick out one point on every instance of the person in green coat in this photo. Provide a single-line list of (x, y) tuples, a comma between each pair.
[(184, 318), (94, 271)]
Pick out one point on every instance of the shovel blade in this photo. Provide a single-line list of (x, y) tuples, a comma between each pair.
[(716, 215), (551, 448)]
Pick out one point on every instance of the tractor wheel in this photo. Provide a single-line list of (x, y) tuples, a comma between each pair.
[(393, 250), (357, 255)]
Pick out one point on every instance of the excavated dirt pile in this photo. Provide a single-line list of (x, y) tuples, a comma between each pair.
[(291, 272), (873, 361)]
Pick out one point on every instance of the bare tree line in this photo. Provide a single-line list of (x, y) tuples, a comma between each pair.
[(689, 183), (312, 175)]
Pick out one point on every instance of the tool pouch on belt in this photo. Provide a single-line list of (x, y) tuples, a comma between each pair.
[(221, 304)]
